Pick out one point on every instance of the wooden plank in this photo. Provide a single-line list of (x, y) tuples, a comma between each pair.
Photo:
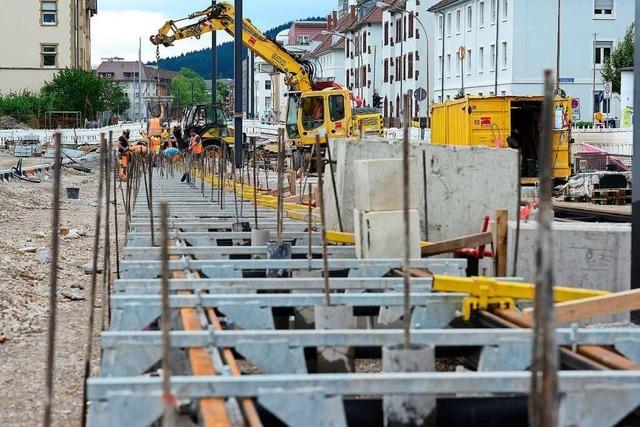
[(502, 218), (601, 355), (606, 305), (451, 245)]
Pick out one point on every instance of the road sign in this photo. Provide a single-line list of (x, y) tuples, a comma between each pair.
[(420, 94), (566, 80), (575, 107), (606, 93)]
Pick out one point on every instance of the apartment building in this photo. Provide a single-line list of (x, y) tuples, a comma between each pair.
[(138, 81), (407, 42), (362, 51), (328, 56), (487, 47), (45, 36)]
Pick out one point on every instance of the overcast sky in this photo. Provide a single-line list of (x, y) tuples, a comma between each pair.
[(120, 23)]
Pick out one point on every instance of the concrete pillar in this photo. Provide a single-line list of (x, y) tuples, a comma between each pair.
[(335, 359), (259, 237), (408, 410)]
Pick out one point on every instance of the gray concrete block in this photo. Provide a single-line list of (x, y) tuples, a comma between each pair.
[(463, 184), (381, 234), (592, 256), (379, 185)]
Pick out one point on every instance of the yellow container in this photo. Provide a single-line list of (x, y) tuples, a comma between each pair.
[(492, 121)]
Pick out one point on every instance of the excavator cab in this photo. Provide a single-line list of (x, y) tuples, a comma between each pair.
[(209, 122), (326, 112)]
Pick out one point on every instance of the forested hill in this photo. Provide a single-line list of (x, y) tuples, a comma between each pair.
[(200, 60)]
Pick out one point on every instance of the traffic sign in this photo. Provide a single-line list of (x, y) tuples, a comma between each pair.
[(420, 94), (606, 93)]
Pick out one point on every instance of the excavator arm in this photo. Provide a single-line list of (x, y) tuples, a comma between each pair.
[(299, 73)]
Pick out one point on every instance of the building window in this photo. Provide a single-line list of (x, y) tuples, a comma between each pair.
[(493, 58), (49, 13), (603, 7), (469, 62), (469, 17), (440, 26), (386, 70), (267, 85), (267, 103), (448, 65), (481, 13), (458, 63), (386, 33), (411, 25), (602, 52), (302, 40), (480, 59), (504, 55), (448, 24), (49, 54), (410, 67), (440, 65), (505, 9), (458, 19), (494, 4)]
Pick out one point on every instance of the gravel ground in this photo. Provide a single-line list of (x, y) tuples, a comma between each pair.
[(25, 218)]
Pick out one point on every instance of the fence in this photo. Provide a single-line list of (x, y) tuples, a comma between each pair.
[(613, 141), (70, 136)]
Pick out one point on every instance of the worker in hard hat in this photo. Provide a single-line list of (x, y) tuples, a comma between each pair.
[(123, 150)]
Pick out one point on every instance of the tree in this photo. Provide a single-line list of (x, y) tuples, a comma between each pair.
[(621, 57), (114, 98), (189, 88), (75, 90), (222, 93)]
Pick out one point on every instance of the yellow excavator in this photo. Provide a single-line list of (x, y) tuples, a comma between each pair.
[(315, 107)]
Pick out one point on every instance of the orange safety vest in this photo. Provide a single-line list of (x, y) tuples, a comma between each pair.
[(197, 148), (155, 128), (154, 142)]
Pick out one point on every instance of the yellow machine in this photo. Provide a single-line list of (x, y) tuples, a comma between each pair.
[(315, 108), (209, 123), (505, 121)]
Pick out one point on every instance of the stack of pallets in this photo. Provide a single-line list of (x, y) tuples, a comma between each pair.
[(614, 196)]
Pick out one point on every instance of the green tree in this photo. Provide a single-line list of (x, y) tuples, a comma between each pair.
[(76, 90), (114, 98), (621, 57), (189, 88), (222, 93)]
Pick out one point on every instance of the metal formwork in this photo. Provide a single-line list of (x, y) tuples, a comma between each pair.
[(239, 305)]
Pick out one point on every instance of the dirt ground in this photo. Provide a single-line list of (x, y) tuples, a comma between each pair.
[(25, 234)]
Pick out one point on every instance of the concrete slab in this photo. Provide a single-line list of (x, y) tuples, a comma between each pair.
[(463, 183), (379, 184), (592, 256), (381, 234)]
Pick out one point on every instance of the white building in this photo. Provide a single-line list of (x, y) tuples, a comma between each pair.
[(407, 42), (42, 38), (363, 53), (521, 36)]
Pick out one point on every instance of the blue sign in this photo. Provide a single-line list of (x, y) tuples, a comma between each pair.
[(566, 80), (420, 94)]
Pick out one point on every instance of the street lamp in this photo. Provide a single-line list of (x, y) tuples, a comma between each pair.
[(390, 8)]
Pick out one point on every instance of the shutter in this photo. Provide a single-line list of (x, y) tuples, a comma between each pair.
[(603, 4)]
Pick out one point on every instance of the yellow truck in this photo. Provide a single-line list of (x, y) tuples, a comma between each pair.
[(505, 121)]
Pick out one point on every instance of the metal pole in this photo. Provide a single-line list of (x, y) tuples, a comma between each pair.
[(635, 207), (214, 63), (558, 53), (238, 29), (310, 227), (94, 279), (544, 398), (333, 183), (593, 94), (405, 202), (495, 85), (323, 227), (444, 22), (53, 280), (255, 183), (167, 399)]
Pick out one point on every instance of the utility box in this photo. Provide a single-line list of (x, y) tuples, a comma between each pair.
[(505, 122), (29, 146)]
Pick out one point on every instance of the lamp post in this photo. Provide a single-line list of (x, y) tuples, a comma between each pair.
[(400, 9)]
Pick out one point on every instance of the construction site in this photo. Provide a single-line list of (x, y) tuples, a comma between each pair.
[(476, 266)]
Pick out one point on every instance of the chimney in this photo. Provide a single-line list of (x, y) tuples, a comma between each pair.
[(335, 18), (329, 22), (352, 10)]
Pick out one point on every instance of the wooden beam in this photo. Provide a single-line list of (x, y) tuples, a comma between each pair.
[(451, 245), (605, 305), (502, 218)]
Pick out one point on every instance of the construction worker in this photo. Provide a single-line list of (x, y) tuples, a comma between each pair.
[(123, 150), (195, 145)]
